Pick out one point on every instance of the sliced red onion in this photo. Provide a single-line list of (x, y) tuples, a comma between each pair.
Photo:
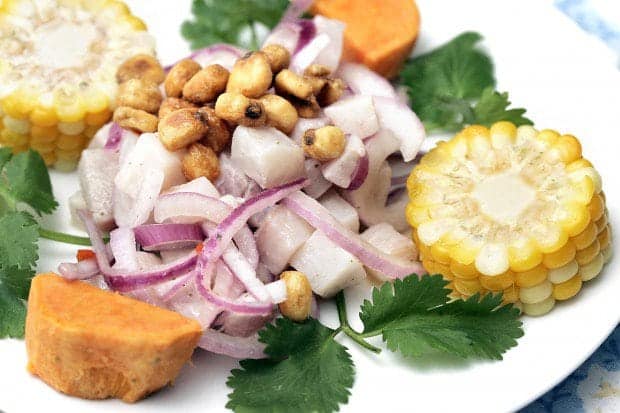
[(334, 29), (79, 271), (399, 119), (360, 174), (157, 237), (244, 239), (363, 81), (221, 237), (179, 283), (189, 207), (115, 135), (245, 273), (123, 244), (310, 53), (308, 31), (222, 54), (320, 218), (285, 34), (124, 281), (237, 347), (277, 291), (295, 9)]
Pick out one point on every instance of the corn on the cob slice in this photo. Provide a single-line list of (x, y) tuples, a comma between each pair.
[(58, 61), (510, 209)]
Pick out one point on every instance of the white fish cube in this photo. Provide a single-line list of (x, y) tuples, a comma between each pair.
[(340, 209), (355, 115), (96, 170), (280, 235), (267, 155), (386, 239), (328, 267)]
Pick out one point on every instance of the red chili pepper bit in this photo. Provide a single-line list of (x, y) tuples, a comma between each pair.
[(85, 255), (199, 247)]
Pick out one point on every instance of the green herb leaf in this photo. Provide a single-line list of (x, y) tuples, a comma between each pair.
[(25, 179), (18, 243), (493, 107), (444, 83), (416, 318), (12, 305), (307, 371), (231, 21)]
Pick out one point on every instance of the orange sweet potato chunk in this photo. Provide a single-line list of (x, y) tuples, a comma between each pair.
[(96, 344), (379, 33)]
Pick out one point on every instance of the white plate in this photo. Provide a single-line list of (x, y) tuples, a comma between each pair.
[(567, 81)]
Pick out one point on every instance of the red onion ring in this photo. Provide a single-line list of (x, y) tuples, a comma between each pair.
[(81, 270), (115, 135), (158, 237), (360, 174), (320, 218), (189, 207), (237, 347)]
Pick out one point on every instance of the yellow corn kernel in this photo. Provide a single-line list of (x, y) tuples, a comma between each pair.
[(575, 219), (548, 136), (43, 147), (17, 105), (416, 215), (90, 131), (536, 294), (443, 270), (19, 149), (71, 156), (550, 240), (95, 101), (540, 308), (65, 165), (42, 116), (70, 142), (596, 207), (569, 148), (69, 105), (43, 133), (133, 21), (524, 255), (466, 272), (587, 254), (20, 126), (13, 139), (510, 294), (584, 190), (607, 253), (586, 237), (71, 128), (49, 158), (465, 252), (593, 268), (98, 118), (560, 257), (578, 164), (601, 223), (531, 277), (467, 287), (506, 129), (563, 273), (440, 253), (498, 282), (567, 289), (604, 238)]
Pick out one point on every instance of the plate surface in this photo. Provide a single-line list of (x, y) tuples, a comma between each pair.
[(568, 81)]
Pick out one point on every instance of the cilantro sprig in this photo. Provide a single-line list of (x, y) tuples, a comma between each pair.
[(309, 371), (25, 192), (231, 21), (454, 85)]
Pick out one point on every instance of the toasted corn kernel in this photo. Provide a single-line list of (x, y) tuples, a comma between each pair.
[(206, 85), (200, 161), (135, 119), (281, 114), (218, 136), (278, 57), (181, 128), (290, 83), (306, 109), (169, 105), (139, 94), (141, 66), (251, 75), (298, 303), (324, 144), (178, 76), (236, 108), (331, 92)]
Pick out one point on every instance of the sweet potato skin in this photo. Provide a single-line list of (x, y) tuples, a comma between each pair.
[(379, 33), (95, 344)]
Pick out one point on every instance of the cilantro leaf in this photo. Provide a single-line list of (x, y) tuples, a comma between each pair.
[(231, 21), (12, 311), (307, 371), (415, 317), (18, 243), (444, 83), (5, 155), (493, 107), (24, 178)]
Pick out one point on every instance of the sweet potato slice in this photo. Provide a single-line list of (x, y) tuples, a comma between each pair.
[(379, 33), (95, 344)]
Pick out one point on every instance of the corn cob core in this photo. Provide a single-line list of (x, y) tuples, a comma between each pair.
[(510, 210), (58, 61)]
